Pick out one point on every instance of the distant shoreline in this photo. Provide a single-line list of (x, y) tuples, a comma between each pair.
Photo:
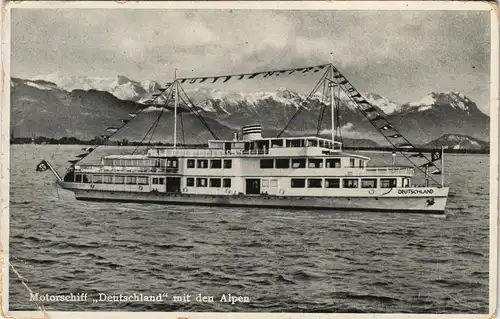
[(97, 141)]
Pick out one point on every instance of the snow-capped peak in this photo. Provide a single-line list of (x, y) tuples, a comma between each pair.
[(120, 86), (456, 100)]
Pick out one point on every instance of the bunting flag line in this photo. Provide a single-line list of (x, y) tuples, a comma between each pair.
[(391, 134), (240, 76)]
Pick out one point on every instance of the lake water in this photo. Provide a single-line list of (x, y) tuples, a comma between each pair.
[(283, 261)]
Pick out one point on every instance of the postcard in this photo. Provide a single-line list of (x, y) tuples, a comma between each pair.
[(249, 159)]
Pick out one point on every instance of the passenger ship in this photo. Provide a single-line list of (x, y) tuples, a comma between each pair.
[(307, 172)]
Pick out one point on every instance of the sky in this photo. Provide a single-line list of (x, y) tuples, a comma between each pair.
[(402, 55)]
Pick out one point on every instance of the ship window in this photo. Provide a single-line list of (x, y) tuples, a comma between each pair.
[(201, 182), (361, 163), (332, 183), (266, 163), (298, 183), (174, 163), (107, 179), (190, 163), (202, 163), (142, 180), (190, 181), (298, 162), (108, 161), (321, 143), (228, 163), (119, 180), (215, 164), (274, 183), (161, 181), (87, 178), (387, 182), (226, 182), (277, 143), (155, 180), (97, 179), (350, 183), (369, 183), (315, 163), (312, 142), (130, 180), (314, 183), (265, 183), (215, 182), (333, 162), (295, 143), (156, 164), (163, 163), (282, 163), (78, 178), (351, 162)]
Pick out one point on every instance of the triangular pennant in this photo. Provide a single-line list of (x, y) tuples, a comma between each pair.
[(405, 145), (395, 135), (241, 76), (215, 79), (73, 161), (82, 155), (104, 136), (419, 155), (203, 80), (437, 172), (88, 149), (386, 127), (253, 75), (125, 121), (193, 81), (132, 114), (291, 71), (183, 80), (227, 78), (111, 129), (370, 109)]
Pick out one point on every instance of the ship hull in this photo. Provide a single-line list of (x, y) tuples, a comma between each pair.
[(401, 204)]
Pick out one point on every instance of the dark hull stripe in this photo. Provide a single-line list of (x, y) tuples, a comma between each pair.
[(191, 203)]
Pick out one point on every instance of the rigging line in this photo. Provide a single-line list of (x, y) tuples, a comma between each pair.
[(374, 125), (152, 125), (121, 127), (252, 73), (192, 108), (182, 130), (322, 110), (198, 116), (203, 121), (339, 127), (155, 123), (301, 107)]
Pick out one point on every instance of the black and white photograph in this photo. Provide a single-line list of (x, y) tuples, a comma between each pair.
[(263, 158)]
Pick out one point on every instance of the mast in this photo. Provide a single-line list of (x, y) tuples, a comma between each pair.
[(331, 84), (442, 166), (176, 102)]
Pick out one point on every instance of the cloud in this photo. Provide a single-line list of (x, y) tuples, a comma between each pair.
[(399, 54)]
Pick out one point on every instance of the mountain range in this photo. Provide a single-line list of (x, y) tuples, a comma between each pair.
[(84, 107)]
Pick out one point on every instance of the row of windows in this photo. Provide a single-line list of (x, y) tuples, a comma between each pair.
[(111, 179), (215, 163), (346, 183), (208, 182), (300, 163), (170, 163)]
